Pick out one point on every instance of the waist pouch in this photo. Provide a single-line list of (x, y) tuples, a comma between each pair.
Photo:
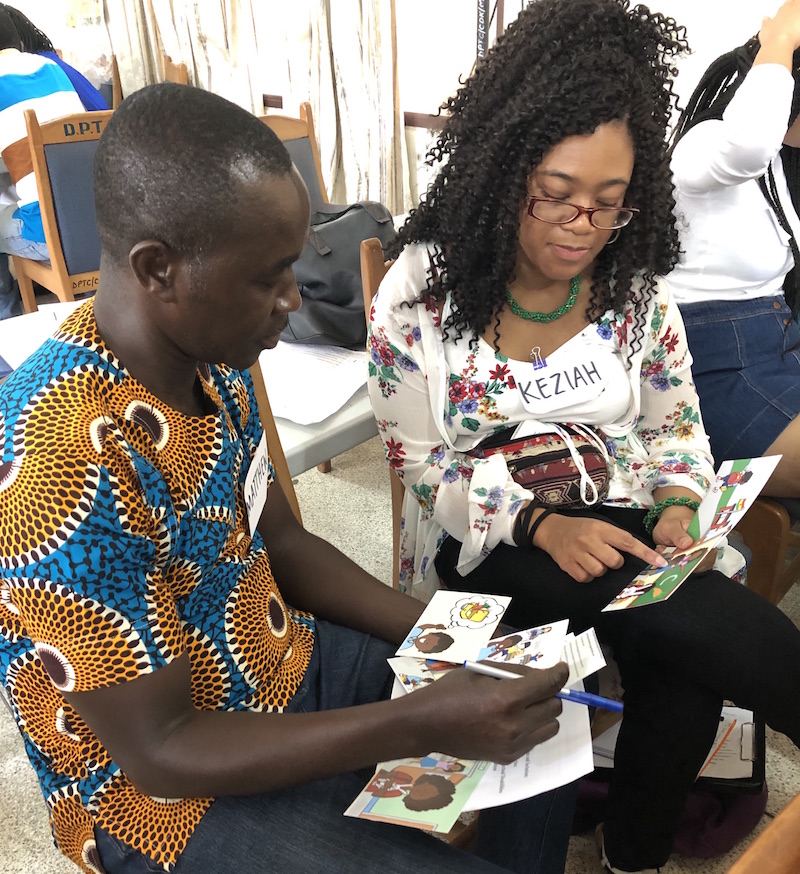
[(567, 468)]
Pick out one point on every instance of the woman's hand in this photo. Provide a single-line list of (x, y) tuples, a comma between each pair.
[(780, 34), (670, 530), (587, 548)]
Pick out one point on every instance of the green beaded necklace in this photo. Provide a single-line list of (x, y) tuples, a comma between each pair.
[(533, 316)]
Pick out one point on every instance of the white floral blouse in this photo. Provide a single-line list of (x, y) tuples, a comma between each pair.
[(435, 399)]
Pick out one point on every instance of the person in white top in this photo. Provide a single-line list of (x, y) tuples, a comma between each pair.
[(525, 292), (736, 166)]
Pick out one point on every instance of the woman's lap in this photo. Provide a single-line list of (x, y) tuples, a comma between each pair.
[(712, 639), (711, 629), (747, 371)]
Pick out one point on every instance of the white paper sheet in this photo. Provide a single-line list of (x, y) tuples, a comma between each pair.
[(306, 384), (23, 335), (558, 761), (583, 655)]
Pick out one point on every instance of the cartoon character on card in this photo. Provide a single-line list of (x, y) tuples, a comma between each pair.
[(429, 638), (732, 479), (427, 792)]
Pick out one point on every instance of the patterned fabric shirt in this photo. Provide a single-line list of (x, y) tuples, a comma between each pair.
[(124, 543), (436, 398)]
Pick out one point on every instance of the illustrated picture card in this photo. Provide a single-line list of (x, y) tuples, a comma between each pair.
[(414, 673), (428, 793), (538, 647), (455, 626), (736, 485)]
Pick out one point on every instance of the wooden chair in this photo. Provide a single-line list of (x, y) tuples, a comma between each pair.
[(373, 269), (274, 441), (62, 152), (297, 134), (178, 73), (777, 849), (116, 84), (767, 531)]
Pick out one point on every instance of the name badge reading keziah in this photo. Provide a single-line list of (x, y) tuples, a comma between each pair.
[(563, 382), (255, 485)]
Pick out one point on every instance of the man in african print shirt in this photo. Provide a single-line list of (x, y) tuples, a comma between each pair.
[(196, 680)]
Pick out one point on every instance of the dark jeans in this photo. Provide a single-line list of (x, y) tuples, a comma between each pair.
[(746, 367), (713, 639), (302, 829)]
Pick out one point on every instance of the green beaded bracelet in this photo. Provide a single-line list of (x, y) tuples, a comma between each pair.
[(653, 514)]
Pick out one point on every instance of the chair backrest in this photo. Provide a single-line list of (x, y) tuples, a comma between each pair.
[(373, 269), (297, 134), (274, 441), (116, 84), (178, 73), (62, 152)]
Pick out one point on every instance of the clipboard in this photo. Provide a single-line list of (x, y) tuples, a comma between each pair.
[(751, 742)]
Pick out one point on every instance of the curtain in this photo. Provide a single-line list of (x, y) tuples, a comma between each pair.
[(342, 57), (216, 39)]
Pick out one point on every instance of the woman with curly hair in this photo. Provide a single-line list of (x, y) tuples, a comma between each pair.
[(736, 164), (525, 295)]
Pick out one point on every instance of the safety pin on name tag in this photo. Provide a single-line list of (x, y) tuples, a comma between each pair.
[(536, 358)]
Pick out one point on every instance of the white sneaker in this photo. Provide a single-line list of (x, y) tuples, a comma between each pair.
[(607, 866)]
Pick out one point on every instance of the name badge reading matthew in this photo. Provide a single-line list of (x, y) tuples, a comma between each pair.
[(562, 382), (255, 485)]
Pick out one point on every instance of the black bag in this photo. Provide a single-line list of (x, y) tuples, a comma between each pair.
[(328, 274)]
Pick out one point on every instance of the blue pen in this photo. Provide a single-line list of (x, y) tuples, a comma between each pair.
[(565, 694)]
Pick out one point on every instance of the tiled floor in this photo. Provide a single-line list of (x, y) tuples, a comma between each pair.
[(350, 507)]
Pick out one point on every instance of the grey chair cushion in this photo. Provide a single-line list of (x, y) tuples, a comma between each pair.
[(69, 166)]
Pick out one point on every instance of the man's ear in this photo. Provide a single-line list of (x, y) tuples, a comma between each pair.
[(156, 267)]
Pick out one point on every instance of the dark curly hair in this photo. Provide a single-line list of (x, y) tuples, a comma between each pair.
[(561, 69), (31, 38), (709, 100)]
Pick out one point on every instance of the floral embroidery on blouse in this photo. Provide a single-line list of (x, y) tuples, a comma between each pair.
[(387, 361), (468, 395)]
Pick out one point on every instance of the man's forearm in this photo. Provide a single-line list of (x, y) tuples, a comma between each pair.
[(313, 575)]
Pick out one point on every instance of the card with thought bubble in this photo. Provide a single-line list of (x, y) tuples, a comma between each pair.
[(455, 626)]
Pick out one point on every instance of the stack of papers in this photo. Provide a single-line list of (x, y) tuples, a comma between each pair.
[(328, 376)]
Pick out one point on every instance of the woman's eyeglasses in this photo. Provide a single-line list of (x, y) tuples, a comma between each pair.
[(559, 212)]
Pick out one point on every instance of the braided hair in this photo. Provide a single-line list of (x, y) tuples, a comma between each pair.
[(711, 97), (32, 39), (563, 68)]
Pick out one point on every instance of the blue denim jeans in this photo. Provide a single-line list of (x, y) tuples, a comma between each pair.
[(12, 242), (746, 367), (302, 829)]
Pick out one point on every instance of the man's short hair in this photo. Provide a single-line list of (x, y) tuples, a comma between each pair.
[(168, 166)]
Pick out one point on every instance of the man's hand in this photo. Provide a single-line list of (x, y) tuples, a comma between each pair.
[(587, 548), (471, 716)]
